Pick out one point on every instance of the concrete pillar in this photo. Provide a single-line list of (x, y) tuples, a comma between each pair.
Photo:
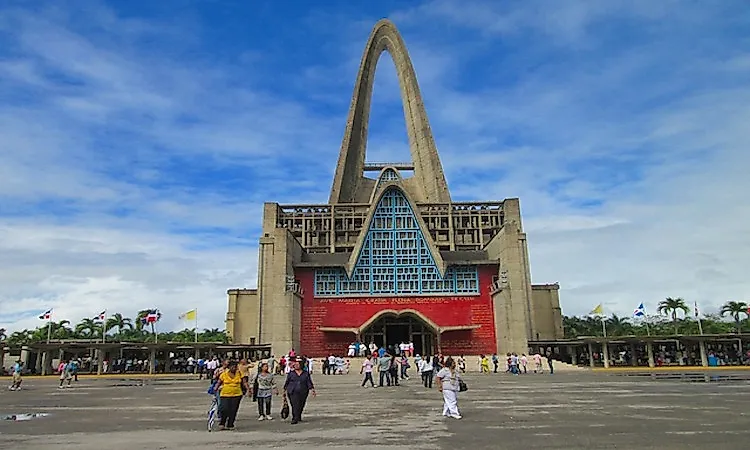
[(152, 362), (633, 356), (650, 351), (605, 354), (2, 357), (591, 355), (99, 361), (704, 353), (167, 361), (573, 352), (42, 363)]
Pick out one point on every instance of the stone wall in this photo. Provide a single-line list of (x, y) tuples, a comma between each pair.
[(545, 307), (242, 316)]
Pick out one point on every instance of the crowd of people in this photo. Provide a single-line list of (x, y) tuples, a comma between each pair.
[(232, 380)]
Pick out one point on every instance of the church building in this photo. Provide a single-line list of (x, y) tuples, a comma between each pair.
[(391, 258)]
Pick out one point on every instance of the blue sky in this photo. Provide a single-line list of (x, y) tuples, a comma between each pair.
[(139, 139)]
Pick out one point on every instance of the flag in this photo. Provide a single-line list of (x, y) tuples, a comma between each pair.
[(153, 316), (190, 315), (640, 311), (598, 311), (47, 315), (101, 315), (696, 309)]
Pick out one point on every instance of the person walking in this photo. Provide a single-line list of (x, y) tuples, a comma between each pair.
[(384, 365), (549, 363), (66, 373), (449, 384), (266, 388), (427, 372), (17, 378), (297, 387), (524, 363), (366, 368), (230, 386)]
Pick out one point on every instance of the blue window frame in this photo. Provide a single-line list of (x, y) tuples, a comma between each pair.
[(395, 259), (387, 175)]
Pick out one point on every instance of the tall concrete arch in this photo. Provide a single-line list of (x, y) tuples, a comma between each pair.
[(430, 185)]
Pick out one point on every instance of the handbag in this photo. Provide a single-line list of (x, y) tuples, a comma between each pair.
[(285, 409), (462, 387)]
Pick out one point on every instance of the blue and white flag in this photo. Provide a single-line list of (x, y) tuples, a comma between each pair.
[(640, 311)]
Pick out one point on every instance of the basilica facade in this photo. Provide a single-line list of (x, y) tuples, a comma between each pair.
[(391, 258)]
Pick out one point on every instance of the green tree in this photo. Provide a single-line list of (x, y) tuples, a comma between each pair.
[(213, 335), (3, 335), (735, 309), (120, 322), (88, 328), (670, 307), (618, 326), (20, 337)]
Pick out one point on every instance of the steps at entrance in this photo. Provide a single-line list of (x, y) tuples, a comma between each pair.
[(472, 365)]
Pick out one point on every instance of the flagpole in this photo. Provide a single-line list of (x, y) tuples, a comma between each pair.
[(196, 325), (697, 317), (49, 327), (104, 326), (604, 326)]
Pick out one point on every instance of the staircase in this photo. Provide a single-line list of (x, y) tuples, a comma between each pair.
[(472, 365)]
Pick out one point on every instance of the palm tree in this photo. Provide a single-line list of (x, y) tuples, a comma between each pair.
[(619, 326), (734, 309), (670, 306), (87, 328), (117, 320), (20, 337)]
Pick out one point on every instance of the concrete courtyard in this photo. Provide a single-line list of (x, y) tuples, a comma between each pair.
[(576, 410)]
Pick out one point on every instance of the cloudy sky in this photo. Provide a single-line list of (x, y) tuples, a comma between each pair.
[(139, 139)]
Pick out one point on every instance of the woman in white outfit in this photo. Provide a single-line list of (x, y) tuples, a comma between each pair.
[(448, 383)]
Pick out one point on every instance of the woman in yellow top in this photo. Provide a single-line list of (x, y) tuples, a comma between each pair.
[(485, 364), (230, 387)]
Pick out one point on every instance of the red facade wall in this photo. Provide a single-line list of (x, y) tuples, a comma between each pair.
[(349, 312)]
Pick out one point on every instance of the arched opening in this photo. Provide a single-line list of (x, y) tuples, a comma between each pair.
[(392, 328)]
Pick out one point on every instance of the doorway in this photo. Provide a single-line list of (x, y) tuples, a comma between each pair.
[(390, 330)]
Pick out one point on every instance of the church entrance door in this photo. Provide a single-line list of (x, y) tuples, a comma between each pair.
[(390, 330)]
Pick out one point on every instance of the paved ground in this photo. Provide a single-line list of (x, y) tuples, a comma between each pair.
[(565, 411)]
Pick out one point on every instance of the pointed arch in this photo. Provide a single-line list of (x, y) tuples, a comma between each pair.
[(389, 174), (394, 191), (430, 179)]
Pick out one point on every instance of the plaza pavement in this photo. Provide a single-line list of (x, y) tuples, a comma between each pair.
[(574, 410)]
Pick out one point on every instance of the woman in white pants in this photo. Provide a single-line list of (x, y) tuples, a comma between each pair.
[(448, 383)]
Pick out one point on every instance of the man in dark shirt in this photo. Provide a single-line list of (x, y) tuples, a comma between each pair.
[(297, 387)]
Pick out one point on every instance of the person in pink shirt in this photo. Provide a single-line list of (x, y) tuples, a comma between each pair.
[(366, 368)]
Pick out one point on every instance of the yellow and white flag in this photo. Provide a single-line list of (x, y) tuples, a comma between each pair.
[(190, 315), (598, 311)]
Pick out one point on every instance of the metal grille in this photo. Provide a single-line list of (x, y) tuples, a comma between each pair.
[(387, 176), (395, 259)]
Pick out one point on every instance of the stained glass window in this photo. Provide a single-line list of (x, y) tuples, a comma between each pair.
[(395, 259)]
